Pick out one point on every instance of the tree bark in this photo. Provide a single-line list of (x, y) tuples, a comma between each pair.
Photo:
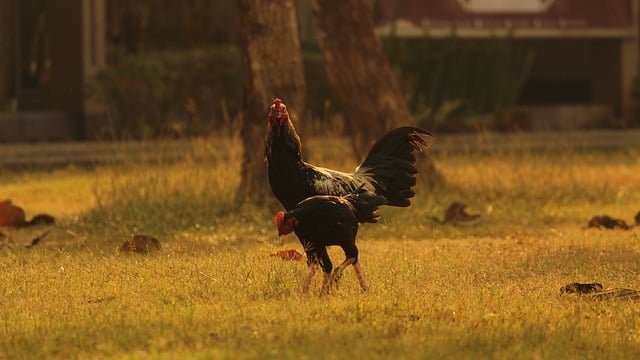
[(273, 68), (360, 76)]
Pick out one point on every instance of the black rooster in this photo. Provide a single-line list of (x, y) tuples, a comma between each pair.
[(388, 170), (323, 220)]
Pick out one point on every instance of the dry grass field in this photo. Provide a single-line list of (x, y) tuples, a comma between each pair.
[(437, 291)]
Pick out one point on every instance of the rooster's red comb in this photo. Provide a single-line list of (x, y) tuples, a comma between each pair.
[(278, 105), (278, 115), (280, 219)]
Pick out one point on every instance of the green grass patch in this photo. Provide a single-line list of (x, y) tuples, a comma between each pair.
[(214, 291)]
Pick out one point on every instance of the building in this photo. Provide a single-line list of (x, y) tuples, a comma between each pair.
[(53, 48), (586, 51)]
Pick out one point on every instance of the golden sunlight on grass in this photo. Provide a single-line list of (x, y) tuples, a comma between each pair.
[(65, 193), (213, 291)]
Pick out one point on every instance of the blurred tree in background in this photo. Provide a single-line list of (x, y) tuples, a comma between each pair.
[(358, 71), (272, 68), (360, 76)]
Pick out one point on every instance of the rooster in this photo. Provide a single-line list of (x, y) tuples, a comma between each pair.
[(388, 170), (323, 220)]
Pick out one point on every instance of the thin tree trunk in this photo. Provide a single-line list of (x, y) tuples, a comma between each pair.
[(273, 68), (360, 76)]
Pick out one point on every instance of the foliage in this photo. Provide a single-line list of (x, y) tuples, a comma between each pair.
[(437, 291), (135, 25), (187, 92), (453, 84), (321, 106), (171, 93)]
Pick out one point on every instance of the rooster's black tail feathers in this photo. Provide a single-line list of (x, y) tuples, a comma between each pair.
[(366, 204), (391, 163)]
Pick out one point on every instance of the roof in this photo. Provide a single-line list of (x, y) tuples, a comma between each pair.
[(546, 18)]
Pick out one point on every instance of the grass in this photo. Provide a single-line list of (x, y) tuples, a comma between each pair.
[(488, 291)]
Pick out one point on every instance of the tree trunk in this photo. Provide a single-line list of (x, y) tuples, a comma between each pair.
[(6, 52), (273, 68), (360, 76)]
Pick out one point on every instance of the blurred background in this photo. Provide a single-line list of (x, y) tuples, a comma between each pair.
[(113, 69)]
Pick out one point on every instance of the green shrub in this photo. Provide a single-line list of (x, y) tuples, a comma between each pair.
[(454, 84), (170, 93), (186, 92)]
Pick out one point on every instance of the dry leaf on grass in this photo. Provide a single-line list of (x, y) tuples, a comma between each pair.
[(141, 244)]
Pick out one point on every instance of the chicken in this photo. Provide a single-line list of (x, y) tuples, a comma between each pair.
[(324, 220), (388, 170)]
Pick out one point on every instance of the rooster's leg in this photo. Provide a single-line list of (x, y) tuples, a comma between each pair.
[(326, 283), (337, 273), (360, 276), (325, 263), (313, 267)]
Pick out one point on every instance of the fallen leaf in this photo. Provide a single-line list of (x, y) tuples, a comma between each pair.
[(11, 215), (141, 244), (290, 254)]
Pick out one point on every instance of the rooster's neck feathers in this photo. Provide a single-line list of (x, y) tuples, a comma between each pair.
[(284, 140)]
